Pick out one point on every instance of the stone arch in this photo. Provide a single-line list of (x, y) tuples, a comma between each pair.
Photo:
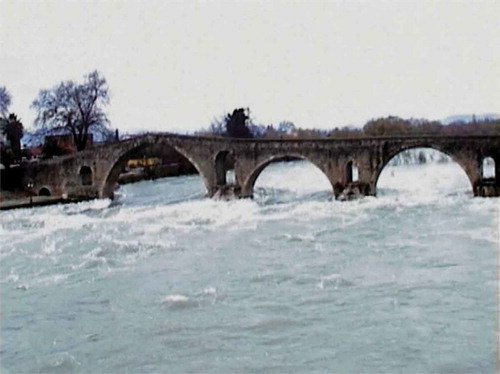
[(394, 153), (351, 171), (44, 191), (249, 183), (221, 161), (86, 175), (488, 168), (111, 179)]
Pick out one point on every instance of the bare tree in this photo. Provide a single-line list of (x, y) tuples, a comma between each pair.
[(5, 100), (13, 130), (77, 108), (218, 126)]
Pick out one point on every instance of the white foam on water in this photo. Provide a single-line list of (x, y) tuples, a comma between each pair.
[(176, 298), (424, 183), (49, 246), (490, 234), (50, 221), (212, 214), (51, 279), (61, 363), (85, 206), (334, 280), (300, 237), (427, 186), (12, 277), (321, 284), (210, 291), (331, 276), (188, 215)]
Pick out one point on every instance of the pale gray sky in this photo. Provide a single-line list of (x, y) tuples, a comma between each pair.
[(174, 66)]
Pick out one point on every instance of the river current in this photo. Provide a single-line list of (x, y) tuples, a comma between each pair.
[(165, 280)]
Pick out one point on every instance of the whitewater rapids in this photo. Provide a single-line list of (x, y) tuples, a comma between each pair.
[(167, 280)]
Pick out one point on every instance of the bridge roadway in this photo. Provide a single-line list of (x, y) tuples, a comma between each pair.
[(94, 172)]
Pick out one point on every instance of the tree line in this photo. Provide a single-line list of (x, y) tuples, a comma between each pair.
[(240, 125)]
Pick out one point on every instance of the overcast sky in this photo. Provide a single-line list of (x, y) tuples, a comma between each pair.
[(176, 66)]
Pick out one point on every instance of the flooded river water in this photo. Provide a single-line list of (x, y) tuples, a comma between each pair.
[(167, 280)]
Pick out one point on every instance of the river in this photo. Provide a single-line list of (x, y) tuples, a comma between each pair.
[(167, 280)]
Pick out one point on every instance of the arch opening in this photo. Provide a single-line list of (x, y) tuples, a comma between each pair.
[(424, 172), (86, 176), (44, 191), (488, 168), (148, 162), (286, 178), (224, 168), (351, 171)]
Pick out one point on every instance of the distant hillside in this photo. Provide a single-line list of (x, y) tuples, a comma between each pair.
[(470, 117)]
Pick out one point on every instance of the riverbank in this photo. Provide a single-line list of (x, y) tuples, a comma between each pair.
[(22, 199), (35, 201)]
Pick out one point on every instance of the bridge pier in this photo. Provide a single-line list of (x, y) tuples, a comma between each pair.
[(487, 188), (351, 191), (227, 191), (488, 185)]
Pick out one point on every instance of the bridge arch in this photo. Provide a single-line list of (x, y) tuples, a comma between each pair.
[(44, 191), (111, 178), (249, 183), (221, 160), (86, 175), (394, 153), (351, 171), (488, 167)]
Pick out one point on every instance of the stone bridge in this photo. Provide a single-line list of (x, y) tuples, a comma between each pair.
[(94, 172)]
